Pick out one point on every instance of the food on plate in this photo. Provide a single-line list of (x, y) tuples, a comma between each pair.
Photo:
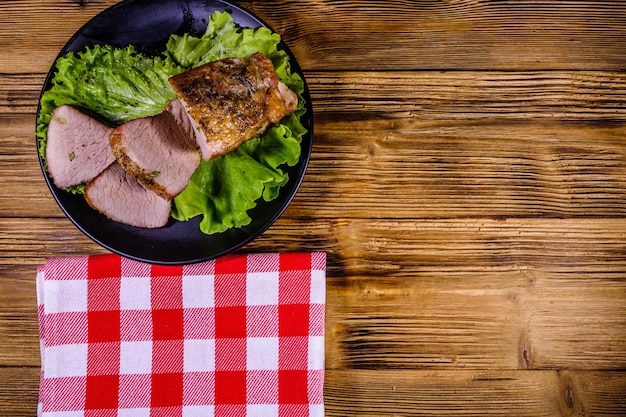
[(221, 105), (123, 84), (118, 195), (159, 151), (78, 147), (232, 100)]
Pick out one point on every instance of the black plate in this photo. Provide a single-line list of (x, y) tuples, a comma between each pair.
[(147, 24)]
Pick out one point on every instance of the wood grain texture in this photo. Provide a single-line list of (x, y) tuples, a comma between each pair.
[(390, 35), (18, 391), (19, 333), (462, 393), (467, 181), (458, 34), (33, 32), (427, 95), (521, 293), (465, 95)]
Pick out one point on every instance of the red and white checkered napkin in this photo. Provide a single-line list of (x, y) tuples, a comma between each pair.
[(239, 336)]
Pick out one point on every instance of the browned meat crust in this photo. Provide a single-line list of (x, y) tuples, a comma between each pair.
[(232, 101)]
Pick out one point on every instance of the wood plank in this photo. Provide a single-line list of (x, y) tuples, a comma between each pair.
[(513, 294), (471, 95), (409, 168), (551, 169), (23, 190), (426, 95), (594, 393), (19, 94), (30, 241), (458, 35), (19, 332), (451, 35), (19, 391), (392, 248), (501, 323), (511, 35), (468, 392), (34, 31)]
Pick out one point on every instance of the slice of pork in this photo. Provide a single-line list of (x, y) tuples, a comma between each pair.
[(117, 194), (77, 148), (158, 151), (232, 100), (186, 123)]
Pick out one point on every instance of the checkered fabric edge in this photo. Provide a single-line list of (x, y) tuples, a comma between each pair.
[(242, 335)]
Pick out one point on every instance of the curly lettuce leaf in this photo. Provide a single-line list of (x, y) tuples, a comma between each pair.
[(120, 84), (224, 189), (117, 84), (221, 39)]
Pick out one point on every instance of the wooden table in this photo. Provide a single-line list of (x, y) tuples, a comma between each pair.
[(468, 182)]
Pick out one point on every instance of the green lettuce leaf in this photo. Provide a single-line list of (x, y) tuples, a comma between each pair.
[(224, 189), (226, 206), (117, 84), (120, 84), (222, 39)]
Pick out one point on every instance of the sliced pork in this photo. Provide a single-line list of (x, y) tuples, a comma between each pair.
[(159, 151), (118, 195), (77, 148), (232, 101)]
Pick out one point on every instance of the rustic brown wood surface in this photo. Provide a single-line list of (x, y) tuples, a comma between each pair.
[(468, 182)]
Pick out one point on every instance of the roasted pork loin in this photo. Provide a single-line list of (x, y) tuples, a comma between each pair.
[(159, 151), (232, 101), (119, 196), (77, 148)]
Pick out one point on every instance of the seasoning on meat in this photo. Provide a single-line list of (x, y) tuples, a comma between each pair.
[(119, 196), (77, 148), (158, 151), (134, 170), (232, 101)]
